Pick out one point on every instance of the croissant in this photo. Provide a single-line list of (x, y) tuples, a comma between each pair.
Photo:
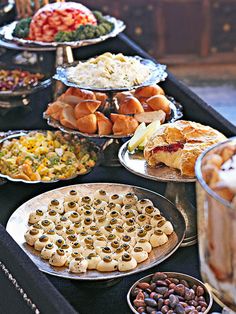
[(159, 102), (104, 124), (86, 107), (67, 117), (123, 125), (74, 95), (54, 109), (87, 124), (149, 91), (130, 105)]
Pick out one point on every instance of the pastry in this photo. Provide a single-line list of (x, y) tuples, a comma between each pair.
[(55, 205), (86, 107), (73, 96), (58, 258), (130, 105), (99, 204), (115, 199), (54, 109), (148, 91), (70, 206), (139, 254), (86, 200), (72, 196), (144, 244), (41, 242), (64, 221), (67, 117), (123, 125), (35, 216), (52, 215), (150, 210), (107, 264), (78, 265), (93, 260), (104, 124), (178, 145), (48, 250), (126, 262), (165, 226), (151, 116), (158, 238), (159, 102), (60, 230), (87, 124), (47, 224), (32, 235), (130, 198), (141, 204), (101, 195)]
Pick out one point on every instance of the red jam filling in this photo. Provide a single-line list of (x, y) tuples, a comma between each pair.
[(169, 148)]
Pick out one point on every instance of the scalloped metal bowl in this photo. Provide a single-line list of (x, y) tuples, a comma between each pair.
[(16, 134), (190, 279), (158, 74), (7, 31)]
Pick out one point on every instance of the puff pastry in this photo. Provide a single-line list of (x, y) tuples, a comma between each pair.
[(179, 144)]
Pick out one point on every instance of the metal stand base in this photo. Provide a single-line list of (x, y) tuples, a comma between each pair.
[(110, 152), (183, 196)]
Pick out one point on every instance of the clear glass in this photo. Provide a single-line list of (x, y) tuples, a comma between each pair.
[(217, 237)]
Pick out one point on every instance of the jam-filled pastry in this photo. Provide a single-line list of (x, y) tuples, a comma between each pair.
[(112, 237), (115, 221), (87, 213), (73, 216), (88, 240), (52, 215), (67, 249), (99, 213), (56, 205), (143, 234), (158, 238), (53, 236), (142, 219), (36, 216), (119, 231), (86, 200), (149, 229), (88, 223), (150, 210), (99, 204), (88, 249), (106, 230), (47, 224), (71, 206), (77, 227), (156, 219), (128, 240), (139, 254), (92, 230), (48, 250), (130, 198), (41, 242), (64, 221), (32, 235), (60, 230), (77, 247), (60, 242), (72, 196), (102, 221), (165, 226), (93, 260), (118, 253), (107, 264), (129, 214), (141, 204), (116, 199), (100, 242), (179, 144), (128, 223), (71, 239), (144, 244), (114, 245), (126, 262), (132, 231), (58, 258), (72, 256), (104, 251), (101, 195), (113, 214), (113, 206), (127, 247)]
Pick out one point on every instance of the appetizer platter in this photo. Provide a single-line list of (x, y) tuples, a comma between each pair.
[(45, 156), (84, 231), (62, 24)]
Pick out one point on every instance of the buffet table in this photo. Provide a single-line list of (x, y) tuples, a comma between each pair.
[(103, 297)]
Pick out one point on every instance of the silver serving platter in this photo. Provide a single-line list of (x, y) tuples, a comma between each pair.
[(191, 280), (17, 225), (135, 163), (16, 134), (176, 114), (158, 74), (7, 34)]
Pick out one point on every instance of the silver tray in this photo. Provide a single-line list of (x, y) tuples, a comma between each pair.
[(7, 34), (17, 226), (15, 134), (158, 74), (135, 163), (176, 114)]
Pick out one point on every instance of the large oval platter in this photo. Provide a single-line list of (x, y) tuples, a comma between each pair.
[(18, 225), (135, 163), (7, 34)]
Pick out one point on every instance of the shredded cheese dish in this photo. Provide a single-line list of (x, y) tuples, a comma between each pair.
[(109, 71)]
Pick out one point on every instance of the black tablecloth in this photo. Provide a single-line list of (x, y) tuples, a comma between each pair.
[(89, 297)]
